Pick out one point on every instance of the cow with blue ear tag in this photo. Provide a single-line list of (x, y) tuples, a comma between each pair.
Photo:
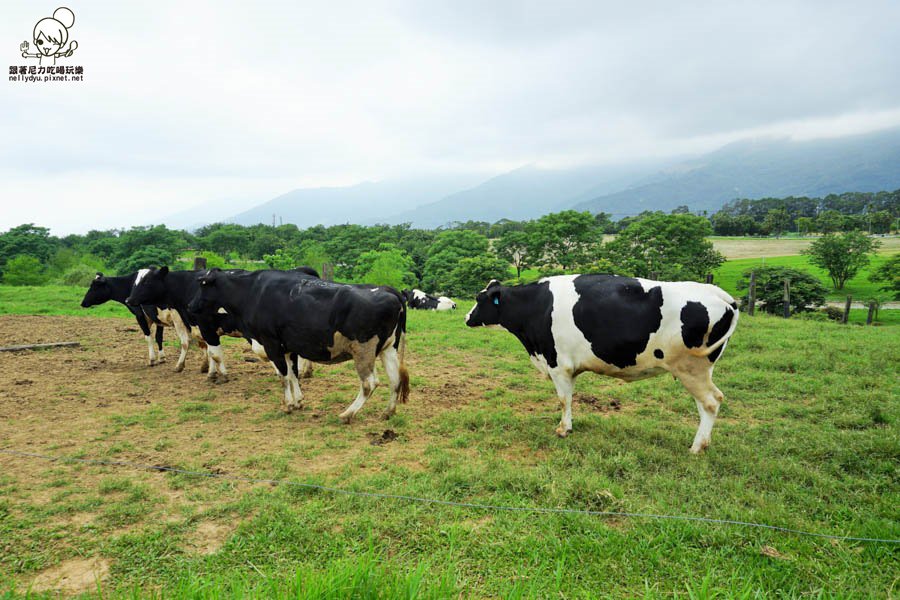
[(624, 327)]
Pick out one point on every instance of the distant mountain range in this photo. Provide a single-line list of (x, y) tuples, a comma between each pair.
[(746, 169)]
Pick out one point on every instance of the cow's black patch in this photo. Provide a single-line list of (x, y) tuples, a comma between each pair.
[(659, 354), (734, 305), (718, 332), (616, 316), (694, 323)]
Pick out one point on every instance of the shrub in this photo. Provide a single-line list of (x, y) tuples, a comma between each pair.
[(24, 270), (80, 275), (807, 291), (150, 256)]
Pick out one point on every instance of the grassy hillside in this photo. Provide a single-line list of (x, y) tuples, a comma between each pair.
[(808, 437)]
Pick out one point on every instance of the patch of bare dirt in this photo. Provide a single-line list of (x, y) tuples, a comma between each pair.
[(386, 437), (209, 537), (598, 404), (72, 577)]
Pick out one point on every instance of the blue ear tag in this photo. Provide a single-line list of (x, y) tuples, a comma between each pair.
[(497, 301)]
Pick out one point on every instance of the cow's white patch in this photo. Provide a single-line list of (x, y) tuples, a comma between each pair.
[(222, 311), (445, 303), (540, 363), (373, 289), (419, 295), (258, 349), (140, 275)]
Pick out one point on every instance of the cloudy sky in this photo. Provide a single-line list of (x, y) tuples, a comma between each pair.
[(190, 102)]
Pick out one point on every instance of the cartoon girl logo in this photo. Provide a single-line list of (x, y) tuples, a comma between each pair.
[(50, 37)]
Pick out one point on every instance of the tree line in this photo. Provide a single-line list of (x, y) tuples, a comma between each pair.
[(457, 260), (872, 212)]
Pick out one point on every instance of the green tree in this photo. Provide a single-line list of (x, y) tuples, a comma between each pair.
[(805, 225), (280, 259), (390, 267), (151, 256), (842, 255), (565, 239), (472, 273), (829, 221), (888, 274), (777, 221), (881, 221), (386, 266), (227, 238), (444, 254), (806, 290), (673, 247), (23, 270), (514, 247), (27, 239)]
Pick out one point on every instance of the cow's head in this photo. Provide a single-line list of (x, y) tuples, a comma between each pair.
[(486, 311), (207, 299), (149, 287), (99, 292)]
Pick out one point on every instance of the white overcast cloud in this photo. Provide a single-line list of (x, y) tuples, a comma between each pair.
[(188, 102)]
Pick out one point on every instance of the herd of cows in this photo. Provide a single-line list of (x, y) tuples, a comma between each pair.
[(624, 327)]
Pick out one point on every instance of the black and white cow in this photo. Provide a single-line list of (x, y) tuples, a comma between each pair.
[(619, 326), (174, 290), (291, 314), (420, 300), (103, 289)]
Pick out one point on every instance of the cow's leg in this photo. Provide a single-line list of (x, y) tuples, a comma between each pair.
[(160, 356), (305, 368), (184, 338), (391, 362), (565, 385), (294, 380), (365, 368), (708, 398), (282, 368), (205, 362), (217, 371)]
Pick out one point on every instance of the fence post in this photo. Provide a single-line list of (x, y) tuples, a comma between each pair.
[(199, 263), (328, 271), (871, 313), (751, 294), (787, 298), (654, 275), (709, 278), (846, 318)]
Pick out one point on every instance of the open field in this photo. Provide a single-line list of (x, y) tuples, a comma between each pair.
[(859, 287), (756, 247), (808, 437)]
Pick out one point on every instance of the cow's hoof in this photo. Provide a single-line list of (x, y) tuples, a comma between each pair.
[(562, 431), (212, 377), (204, 368), (223, 378), (345, 418), (152, 363), (698, 448), (286, 409), (179, 368), (388, 414), (160, 358)]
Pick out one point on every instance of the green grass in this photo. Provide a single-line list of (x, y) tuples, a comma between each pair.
[(53, 300), (859, 287), (808, 437)]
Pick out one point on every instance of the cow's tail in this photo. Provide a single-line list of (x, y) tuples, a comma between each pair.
[(400, 345), (710, 348)]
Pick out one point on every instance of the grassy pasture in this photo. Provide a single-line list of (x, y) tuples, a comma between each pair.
[(808, 437), (859, 287)]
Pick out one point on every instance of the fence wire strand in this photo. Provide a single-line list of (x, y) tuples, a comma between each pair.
[(452, 503)]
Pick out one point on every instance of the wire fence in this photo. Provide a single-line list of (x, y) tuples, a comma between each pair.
[(452, 503)]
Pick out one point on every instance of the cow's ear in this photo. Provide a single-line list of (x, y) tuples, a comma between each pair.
[(99, 276), (493, 294), (163, 271)]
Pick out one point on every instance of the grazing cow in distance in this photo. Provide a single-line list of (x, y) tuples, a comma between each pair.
[(103, 289), (624, 327), (291, 314), (420, 300)]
